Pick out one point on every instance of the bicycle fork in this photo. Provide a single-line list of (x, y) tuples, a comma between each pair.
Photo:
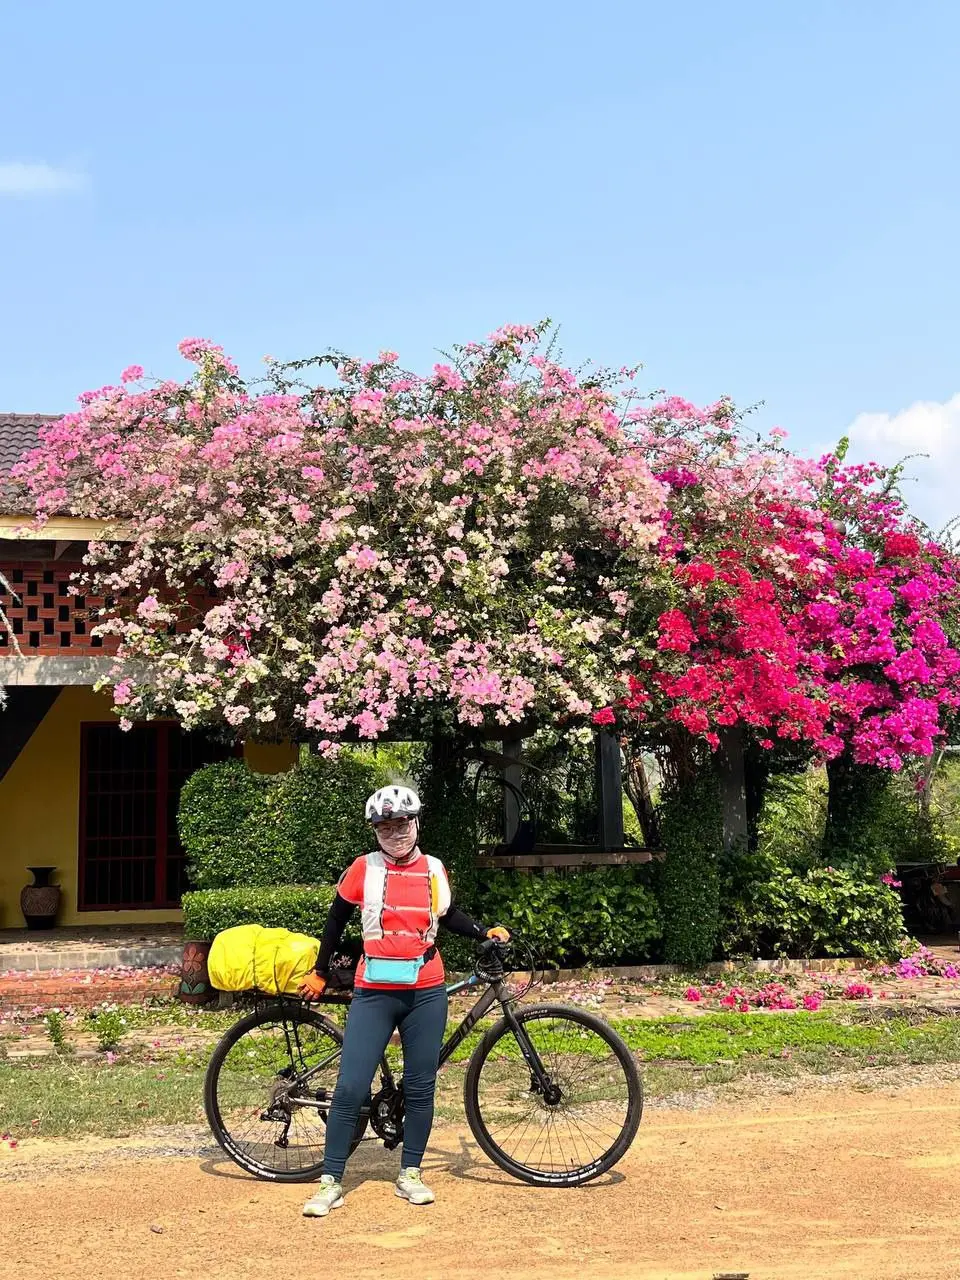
[(540, 1079)]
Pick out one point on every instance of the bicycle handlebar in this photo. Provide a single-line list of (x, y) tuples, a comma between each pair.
[(492, 944)]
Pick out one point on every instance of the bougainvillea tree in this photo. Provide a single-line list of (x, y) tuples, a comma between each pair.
[(328, 558), (336, 549), (804, 603)]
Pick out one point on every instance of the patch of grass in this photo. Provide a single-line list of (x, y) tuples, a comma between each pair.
[(174, 1014), (718, 1037), (54, 1099), (57, 1097)]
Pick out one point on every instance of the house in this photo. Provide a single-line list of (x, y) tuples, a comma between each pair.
[(76, 792)]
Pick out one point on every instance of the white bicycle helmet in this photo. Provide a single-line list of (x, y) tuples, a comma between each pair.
[(392, 802)]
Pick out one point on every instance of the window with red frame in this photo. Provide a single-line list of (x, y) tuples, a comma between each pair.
[(130, 854)]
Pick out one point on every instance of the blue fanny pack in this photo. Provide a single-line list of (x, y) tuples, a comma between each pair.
[(393, 973)]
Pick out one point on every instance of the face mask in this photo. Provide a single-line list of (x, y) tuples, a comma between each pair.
[(400, 844)]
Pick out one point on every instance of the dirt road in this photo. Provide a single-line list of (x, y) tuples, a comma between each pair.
[(827, 1183)]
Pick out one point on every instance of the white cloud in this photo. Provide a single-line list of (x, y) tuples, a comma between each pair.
[(931, 485), (18, 179)]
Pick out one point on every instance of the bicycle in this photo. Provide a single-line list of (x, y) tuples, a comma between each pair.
[(552, 1094)]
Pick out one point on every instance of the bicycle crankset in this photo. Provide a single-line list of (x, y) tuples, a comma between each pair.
[(386, 1116)]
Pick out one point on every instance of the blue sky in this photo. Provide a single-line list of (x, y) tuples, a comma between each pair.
[(758, 199)]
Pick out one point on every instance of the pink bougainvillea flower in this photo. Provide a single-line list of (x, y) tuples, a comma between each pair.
[(504, 540), (858, 991)]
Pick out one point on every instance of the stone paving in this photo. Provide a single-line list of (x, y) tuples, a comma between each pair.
[(89, 948)]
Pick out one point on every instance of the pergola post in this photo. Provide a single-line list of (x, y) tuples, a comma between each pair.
[(512, 774), (733, 787), (610, 791)]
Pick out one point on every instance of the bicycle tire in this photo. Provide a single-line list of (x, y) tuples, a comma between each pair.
[(574, 1177), (271, 1014)]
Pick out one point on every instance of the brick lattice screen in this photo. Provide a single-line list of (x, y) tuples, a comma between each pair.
[(45, 618)]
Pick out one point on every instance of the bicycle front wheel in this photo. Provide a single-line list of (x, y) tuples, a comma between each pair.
[(268, 1088), (574, 1125)]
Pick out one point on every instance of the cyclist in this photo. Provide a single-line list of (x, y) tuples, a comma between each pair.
[(404, 896)]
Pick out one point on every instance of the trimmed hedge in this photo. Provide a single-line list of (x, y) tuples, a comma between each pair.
[(302, 908), (692, 827), (228, 831), (299, 907), (599, 915), (300, 827)]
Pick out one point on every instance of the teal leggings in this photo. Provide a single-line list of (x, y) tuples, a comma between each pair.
[(420, 1015)]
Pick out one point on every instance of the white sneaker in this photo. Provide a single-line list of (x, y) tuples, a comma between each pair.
[(329, 1195), (410, 1187)]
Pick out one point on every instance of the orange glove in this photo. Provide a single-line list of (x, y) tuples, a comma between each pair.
[(499, 932), (313, 986)]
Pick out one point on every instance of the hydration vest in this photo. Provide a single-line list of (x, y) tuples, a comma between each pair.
[(402, 906)]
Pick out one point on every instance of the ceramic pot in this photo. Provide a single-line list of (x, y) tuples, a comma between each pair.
[(40, 901), (194, 979)]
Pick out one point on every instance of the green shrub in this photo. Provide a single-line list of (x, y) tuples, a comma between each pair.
[(875, 820), (600, 915), (109, 1026), (792, 820), (56, 1026), (691, 826), (228, 826), (781, 900), (300, 827), (322, 806), (772, 909), (302, 908)]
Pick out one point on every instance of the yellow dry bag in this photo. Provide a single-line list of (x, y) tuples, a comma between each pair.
[(251, 957)]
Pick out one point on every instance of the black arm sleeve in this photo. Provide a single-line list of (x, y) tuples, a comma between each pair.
[(340, 912), (456, 921)]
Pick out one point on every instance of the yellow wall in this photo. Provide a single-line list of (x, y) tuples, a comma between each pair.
[(270, 757), (40, 808)]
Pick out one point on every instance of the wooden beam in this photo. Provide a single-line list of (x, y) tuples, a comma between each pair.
[(584, 858), (15, 671), (734, 788), (61, 546), (62, 528)]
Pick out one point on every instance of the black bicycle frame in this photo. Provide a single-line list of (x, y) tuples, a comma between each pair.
[(488, 999), (493, 994)]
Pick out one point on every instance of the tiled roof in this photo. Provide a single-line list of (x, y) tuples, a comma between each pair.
[(18, 433)]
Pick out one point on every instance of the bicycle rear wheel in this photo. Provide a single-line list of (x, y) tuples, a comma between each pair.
[(581, 1124), (258, 1105)]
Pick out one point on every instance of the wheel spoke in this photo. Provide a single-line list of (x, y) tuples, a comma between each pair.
[(261, 1074), (569, 1136)]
